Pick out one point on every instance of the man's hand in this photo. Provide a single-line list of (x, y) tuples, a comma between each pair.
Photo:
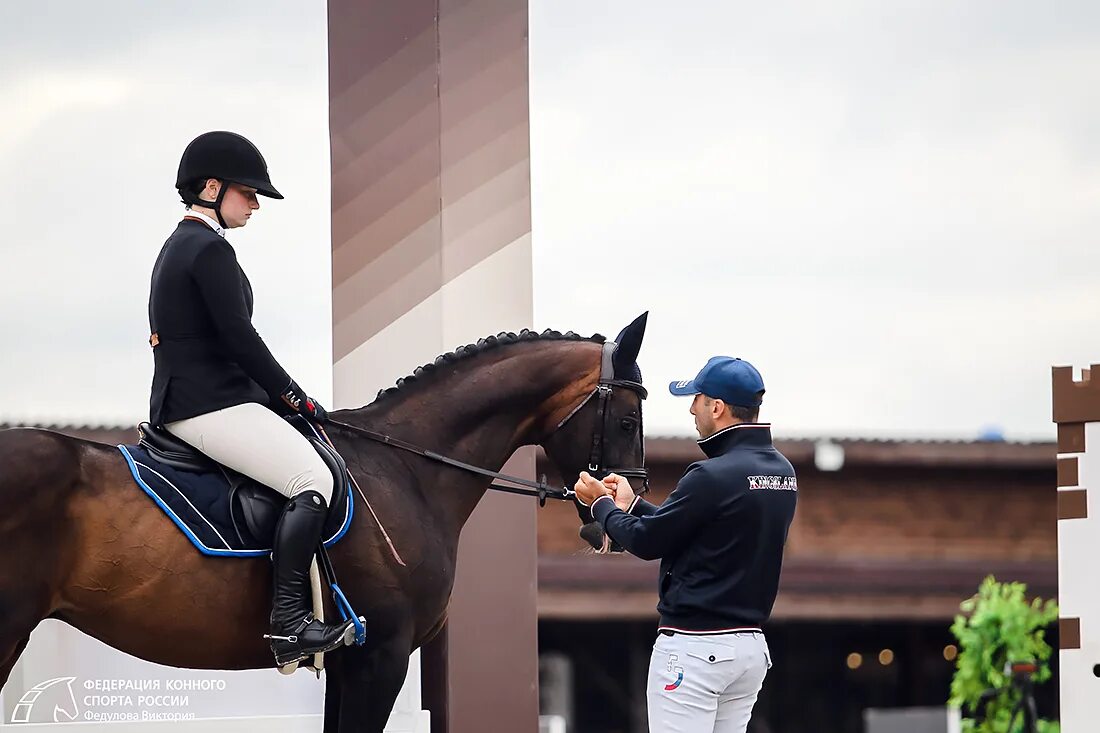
[(621, 489), (589, 489)]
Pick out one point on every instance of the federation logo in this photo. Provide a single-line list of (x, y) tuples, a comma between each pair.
[(63, 712)]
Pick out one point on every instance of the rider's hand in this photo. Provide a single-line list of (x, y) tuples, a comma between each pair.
[(589, 489), (622, 490), (314, 410), (297, 400)]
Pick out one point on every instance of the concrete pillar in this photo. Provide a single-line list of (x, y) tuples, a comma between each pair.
[(431, 248)]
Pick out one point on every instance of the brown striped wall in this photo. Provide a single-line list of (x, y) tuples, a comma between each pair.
[(431, 248)]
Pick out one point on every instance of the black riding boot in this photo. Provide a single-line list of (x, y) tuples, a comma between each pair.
[(295, 633)]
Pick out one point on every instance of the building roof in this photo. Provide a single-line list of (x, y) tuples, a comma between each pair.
[(886, 452)]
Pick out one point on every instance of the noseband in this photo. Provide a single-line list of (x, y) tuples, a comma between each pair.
[(603, 392)]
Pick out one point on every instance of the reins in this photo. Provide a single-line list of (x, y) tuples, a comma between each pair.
[(540, 489)]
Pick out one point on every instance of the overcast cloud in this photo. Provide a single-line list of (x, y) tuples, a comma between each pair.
[(890, 208)]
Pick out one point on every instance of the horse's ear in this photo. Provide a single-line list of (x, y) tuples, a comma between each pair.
[(629, 345)]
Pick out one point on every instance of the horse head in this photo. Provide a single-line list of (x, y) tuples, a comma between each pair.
[(605, 435)]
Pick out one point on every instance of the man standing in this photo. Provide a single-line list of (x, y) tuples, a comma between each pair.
[(720, 538)]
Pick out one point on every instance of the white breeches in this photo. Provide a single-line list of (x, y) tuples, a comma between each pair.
[(705, 684), (253, 440)]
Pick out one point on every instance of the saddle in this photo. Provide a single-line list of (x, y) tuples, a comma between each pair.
[(253, 508)]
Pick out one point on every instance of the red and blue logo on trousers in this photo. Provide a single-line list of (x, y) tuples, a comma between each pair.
[(678, 671)]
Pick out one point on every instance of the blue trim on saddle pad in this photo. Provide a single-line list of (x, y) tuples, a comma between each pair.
[(199, 505)]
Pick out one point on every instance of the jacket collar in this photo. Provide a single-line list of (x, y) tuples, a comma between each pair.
[(742, 434), (201, 217)]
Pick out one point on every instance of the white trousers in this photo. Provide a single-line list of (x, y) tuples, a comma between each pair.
[(253, 440), (705, 684)]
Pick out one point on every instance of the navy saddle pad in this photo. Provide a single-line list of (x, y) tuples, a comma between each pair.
[(221, 520)]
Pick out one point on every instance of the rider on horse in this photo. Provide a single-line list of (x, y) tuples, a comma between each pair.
[(217, 386)]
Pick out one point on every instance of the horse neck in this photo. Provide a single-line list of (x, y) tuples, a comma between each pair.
[(481, 413)]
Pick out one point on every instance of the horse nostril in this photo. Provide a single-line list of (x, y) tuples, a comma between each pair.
[(592, 533)]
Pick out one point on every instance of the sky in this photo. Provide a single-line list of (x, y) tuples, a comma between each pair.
[(890, 208)]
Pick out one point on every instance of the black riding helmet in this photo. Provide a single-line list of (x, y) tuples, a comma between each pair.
[(228, 157)]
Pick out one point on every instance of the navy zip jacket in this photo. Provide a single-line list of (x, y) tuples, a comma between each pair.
[(720, 534), (206, 354)]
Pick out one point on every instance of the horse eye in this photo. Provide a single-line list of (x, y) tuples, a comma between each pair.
[(629, 423)]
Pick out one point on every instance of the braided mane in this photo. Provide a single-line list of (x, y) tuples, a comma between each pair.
[(489, 343)]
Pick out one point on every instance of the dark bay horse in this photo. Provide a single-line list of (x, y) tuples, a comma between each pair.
[(82, 544)]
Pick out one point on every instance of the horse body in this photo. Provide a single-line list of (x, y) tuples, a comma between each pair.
[(122, 575), (83, 545)]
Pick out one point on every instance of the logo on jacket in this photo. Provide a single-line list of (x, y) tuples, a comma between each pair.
[(775, 483)]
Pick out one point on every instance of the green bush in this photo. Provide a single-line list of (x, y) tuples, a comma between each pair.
[(998, 626)]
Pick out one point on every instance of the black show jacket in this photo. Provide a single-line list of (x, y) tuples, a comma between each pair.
[(206, 354)]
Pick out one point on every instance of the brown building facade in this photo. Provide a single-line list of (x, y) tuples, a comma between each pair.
[(901, 530)]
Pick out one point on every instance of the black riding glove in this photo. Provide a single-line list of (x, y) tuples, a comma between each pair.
[(297, 400)]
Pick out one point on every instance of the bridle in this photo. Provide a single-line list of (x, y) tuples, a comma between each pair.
[(602, 393), (541, 489)]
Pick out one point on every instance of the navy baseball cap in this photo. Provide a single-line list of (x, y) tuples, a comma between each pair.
[(734, 381)]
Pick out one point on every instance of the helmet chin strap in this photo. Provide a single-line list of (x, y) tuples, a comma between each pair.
[(192, 199)]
